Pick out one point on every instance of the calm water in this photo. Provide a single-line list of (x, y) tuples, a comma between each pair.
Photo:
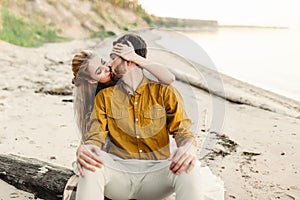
[(267, 58)]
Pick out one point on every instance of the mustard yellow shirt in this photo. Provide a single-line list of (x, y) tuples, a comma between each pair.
[(138, 125)]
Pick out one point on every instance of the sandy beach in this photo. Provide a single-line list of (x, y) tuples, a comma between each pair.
[(254, 134)]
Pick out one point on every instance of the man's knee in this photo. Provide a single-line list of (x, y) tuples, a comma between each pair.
[(191, 179), (93, 176), (91, 185)]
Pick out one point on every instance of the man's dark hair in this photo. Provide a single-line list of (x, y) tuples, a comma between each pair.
[(139, 44)]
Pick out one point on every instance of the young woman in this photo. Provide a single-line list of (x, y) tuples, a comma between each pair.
[(91, 74)]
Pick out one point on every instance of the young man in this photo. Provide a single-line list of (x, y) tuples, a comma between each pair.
[(137, 116)]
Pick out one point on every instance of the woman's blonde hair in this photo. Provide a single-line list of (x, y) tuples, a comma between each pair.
[(80, 63), (84, 92)]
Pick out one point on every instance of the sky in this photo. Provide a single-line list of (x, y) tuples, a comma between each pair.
[(230, 12)]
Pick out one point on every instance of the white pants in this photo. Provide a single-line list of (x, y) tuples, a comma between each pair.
[(121, 179)]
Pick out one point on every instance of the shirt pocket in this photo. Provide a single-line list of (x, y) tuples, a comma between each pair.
[(156, 113), (118, 114), (155, 120), (119, 123)]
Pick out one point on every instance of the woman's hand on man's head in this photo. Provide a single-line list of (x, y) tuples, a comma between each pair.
[(125, 51)]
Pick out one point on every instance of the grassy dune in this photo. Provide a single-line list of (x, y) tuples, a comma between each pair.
[(19, 31)]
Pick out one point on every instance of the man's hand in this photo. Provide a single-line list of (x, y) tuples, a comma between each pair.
[(184, 158), (87, 157)]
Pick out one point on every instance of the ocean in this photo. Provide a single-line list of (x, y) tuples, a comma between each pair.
[(264, 57)]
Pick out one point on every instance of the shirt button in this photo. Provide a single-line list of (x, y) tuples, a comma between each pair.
[(136, 119), (140, 150)]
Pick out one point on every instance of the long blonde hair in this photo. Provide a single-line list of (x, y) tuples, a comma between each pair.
[(84, 92)]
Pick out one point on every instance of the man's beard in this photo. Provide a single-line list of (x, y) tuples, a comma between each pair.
[(118, 73), (115, 77)]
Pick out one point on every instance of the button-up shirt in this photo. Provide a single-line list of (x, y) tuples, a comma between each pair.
[(138, 124)]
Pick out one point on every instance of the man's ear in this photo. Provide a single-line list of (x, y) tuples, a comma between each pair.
[(92, 81)]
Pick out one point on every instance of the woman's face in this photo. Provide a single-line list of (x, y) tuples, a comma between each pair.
[(98, 71)]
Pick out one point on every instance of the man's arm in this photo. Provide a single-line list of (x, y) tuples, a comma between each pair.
[(185, 156), (97, 127), (88, 152)]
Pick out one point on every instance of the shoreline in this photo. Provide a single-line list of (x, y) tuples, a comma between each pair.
[(255, 59), (38, 120), (229, 88), (213, 29)]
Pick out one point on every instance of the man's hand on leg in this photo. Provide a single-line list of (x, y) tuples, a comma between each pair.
[(184, 158), (87, 157)]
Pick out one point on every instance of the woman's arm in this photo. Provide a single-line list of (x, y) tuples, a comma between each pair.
[(159, 71)]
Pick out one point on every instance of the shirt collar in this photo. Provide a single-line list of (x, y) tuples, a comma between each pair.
[(126, 88), (142, 86)]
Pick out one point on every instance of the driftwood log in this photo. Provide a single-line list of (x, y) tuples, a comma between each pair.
[(43, 179)]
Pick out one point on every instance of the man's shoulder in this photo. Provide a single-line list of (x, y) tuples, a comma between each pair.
[(152, 83), (105, 91), (163, 87)]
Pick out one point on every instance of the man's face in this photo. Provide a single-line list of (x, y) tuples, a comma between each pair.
[(118, 66)]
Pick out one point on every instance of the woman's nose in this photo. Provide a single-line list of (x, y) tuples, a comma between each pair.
[(107, 69)]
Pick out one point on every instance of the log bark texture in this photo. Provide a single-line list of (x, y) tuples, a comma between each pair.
[(43, 179)]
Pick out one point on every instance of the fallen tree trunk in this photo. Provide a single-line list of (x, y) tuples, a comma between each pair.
[(43, 179)]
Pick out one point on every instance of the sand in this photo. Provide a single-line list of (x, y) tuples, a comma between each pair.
[(253, 143)]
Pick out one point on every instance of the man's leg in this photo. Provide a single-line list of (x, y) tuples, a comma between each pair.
[(155, 183), (199, 184), (91, 186), (109, 180)]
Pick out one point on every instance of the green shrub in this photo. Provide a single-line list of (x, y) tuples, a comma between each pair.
[(17, 30), (148, 19), (102, 34)]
